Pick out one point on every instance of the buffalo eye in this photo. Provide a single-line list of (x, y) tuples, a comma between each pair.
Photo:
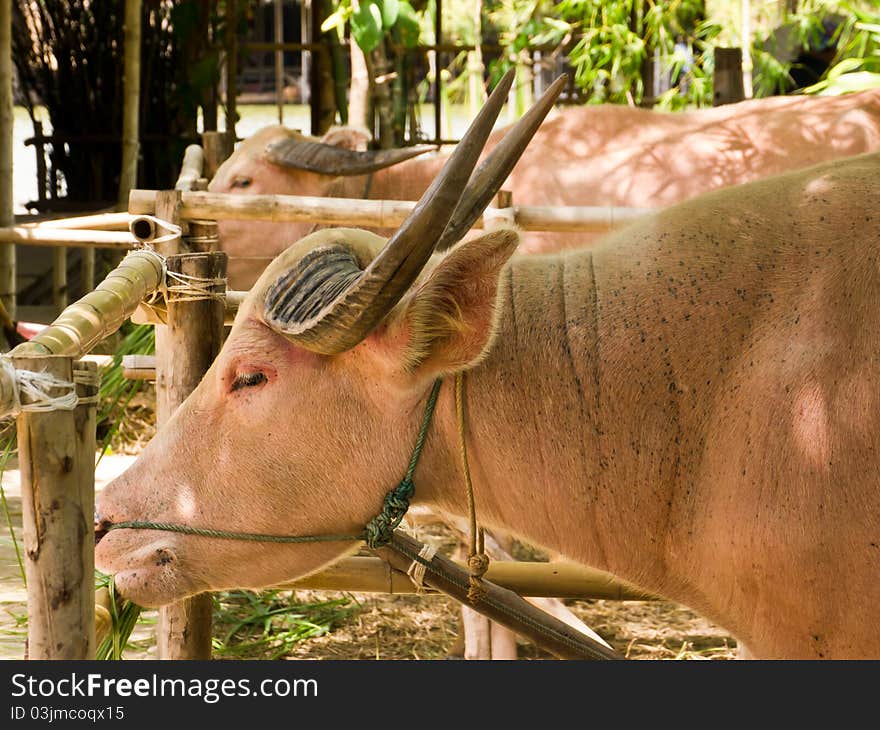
[(248, 380), (242, 182)]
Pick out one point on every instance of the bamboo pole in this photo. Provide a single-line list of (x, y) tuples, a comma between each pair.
[(131, 100), (96, 222), (499, 604), (66, 237), (373, 213), (101, 312), (7, 207), (536, 580), (185, 350), (57, 461)]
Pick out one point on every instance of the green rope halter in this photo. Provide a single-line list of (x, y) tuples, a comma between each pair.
[(377, 532)]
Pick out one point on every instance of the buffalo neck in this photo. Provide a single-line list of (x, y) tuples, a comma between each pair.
[(537, 441)]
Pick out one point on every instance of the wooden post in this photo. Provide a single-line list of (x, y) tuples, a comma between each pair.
[(217, 149), (59, 279), (131, 100), (7, 208), (40, 151), (279, 59), (322, 95), (185, 349), (87, 269), (728, 77), (57, 460), (231, 43)]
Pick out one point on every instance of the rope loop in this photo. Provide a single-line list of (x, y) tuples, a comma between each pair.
[(189, 288), (88, 379), (478, 561)]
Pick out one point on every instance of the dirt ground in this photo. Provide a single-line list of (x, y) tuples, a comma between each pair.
[(391, 627)]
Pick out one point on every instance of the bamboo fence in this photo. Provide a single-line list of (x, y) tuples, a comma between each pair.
[(371, 213), (46, 437)]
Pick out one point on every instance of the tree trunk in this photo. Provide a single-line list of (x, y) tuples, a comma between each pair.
[(131, 101), (7, 207), (359, 92), (476, 90), (379, 69)]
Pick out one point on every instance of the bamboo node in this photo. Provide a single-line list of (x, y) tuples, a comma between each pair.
[(146, 229)]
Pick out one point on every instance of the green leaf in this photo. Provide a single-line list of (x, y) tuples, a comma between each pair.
[(366, 26), (846, 66), (407, 27), (390, 11), (334, 20)]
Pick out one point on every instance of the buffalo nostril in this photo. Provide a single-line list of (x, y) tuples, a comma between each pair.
[(101, 527), (163, 557)]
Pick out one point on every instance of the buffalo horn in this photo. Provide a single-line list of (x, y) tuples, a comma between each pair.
[(361, 301), (327, 159), (493, 171)]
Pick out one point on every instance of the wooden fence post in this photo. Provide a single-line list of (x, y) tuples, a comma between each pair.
[(57, 461), (185, 349), (728, 76), (59, 279), (217, 149)]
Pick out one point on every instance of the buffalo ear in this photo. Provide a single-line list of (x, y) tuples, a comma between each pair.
[(448, 321), (347, 138)]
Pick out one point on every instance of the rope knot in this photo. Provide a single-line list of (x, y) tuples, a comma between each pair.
[(379, 530), (478, 564)]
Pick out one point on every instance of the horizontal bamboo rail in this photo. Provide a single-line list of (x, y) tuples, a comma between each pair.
[(58, 236), (99, 313), (536, 580), (372, 213), (95, 222)]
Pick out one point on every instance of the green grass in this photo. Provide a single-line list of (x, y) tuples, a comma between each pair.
[(269, 624)]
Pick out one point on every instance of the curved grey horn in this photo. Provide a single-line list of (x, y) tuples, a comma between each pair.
[(493, 171), (327, 159), (363, 301)]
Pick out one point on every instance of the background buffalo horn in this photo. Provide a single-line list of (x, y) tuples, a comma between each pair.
[(493, 171), (327, 159), (365, 299)]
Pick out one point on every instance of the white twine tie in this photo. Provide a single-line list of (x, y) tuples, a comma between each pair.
[(416, 570), (17, 385)]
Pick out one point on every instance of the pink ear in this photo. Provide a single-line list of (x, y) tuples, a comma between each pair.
[(348, 138), (448, 322)]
